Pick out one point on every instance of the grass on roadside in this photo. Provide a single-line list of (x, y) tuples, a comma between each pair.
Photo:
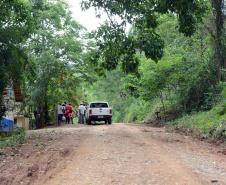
[(12, 138), (207, 125)]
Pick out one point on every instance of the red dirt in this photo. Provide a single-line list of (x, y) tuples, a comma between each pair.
[(111, 154)]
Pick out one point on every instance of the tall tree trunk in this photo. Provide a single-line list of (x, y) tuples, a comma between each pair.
[(219, 16), (40, 121), (43, 104), (41, 108), (46, 111), (37, 118)]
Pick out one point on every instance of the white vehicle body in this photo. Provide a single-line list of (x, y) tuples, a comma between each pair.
[(98, 111)]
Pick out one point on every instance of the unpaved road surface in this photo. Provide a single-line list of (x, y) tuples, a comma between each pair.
[(117, 154)]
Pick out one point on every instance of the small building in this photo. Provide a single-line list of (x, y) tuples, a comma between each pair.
[(21, 121), (11, 121)]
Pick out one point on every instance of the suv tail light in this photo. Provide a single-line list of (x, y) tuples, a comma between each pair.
[(110, 111), (90, 111)]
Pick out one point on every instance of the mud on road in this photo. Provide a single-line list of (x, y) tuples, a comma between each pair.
[(111, 154)]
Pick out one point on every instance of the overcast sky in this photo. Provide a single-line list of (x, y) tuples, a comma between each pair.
[(86, 18)]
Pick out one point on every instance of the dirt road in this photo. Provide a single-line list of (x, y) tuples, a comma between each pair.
[(119, 154)]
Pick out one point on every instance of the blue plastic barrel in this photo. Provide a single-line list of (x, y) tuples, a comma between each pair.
[(6, 125)]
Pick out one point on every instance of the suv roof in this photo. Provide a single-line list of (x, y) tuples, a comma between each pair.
[(98, 104)]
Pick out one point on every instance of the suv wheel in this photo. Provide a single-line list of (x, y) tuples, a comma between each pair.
[(109, 121)]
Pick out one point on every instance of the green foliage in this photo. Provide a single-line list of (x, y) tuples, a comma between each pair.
[(114, 48), (41, 47), (185, 80), (57, 64), (13, 138), (32, 124), (117, 48), (182, 83), (119, 111), (224, 94), (161, 69), (16, 24), (107, 89), (138, 111), (209, 124), (125, 107)]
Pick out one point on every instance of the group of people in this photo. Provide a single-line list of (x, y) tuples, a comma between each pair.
[(66, 112)]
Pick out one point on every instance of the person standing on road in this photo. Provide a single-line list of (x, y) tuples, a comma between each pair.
[(76, 114), (81, 113), (60, 109), (70, 108), (67, 112), (85, 109), (71, 117)]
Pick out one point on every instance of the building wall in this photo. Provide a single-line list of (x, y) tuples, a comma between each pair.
[(26, 124), (9, 116), (22, 122), (10, 102), (8, 119), (17, 121)]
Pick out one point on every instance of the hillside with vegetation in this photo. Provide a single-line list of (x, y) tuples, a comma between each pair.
[(181, 89), (169, 69)]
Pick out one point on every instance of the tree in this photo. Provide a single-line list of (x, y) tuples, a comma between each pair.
[(53, 51), (219, 14), (115, 47), (16, 24), (184, 77)]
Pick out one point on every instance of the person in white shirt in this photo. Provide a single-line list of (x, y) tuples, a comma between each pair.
[(60, 109), (82, 110)]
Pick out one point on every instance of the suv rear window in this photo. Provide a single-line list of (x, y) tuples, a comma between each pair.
[(98, 105)]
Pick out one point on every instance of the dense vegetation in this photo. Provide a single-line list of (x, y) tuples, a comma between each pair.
[(169, 69), (182, 88), (42, 47)]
